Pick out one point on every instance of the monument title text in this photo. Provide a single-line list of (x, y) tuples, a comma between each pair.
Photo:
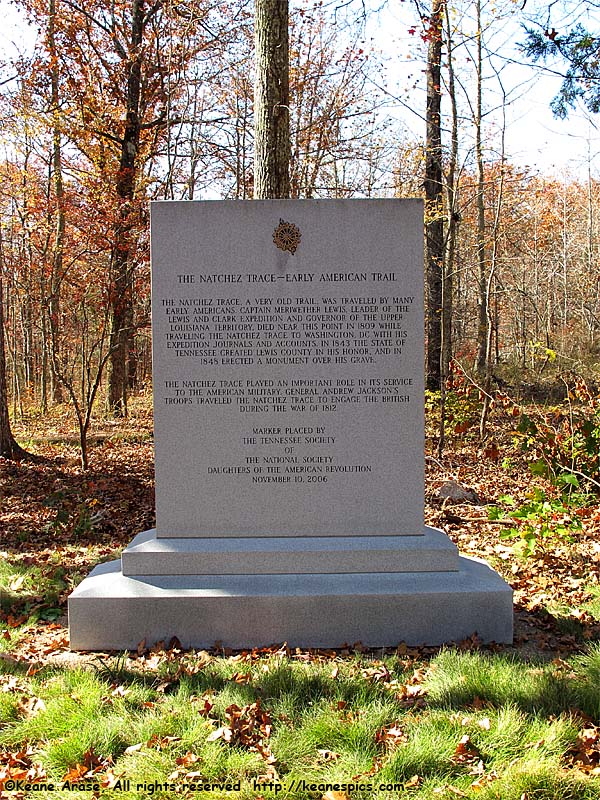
[(296, 277)]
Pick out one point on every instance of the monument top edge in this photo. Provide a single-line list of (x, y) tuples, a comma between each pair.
[(302, 201)]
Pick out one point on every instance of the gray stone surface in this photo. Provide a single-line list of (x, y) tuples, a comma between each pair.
[(288, 403), (336, 448), (111, 611), (429, 552)]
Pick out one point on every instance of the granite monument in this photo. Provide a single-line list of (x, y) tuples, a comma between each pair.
[(288, 407)]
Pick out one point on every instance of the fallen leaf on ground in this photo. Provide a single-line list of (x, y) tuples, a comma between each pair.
[(466, 752)]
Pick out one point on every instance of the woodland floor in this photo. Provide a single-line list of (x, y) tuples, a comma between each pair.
[(60, 521)]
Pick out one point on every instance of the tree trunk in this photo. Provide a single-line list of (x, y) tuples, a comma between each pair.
[(492, 325), (27, 325), (8, 446), (46, 345), (434, 220), (483, 320), (59, 194), (123, 245), (452, 186), (271, 100), (451, 241)]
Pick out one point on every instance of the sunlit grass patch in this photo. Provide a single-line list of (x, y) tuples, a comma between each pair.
[(471, 679)]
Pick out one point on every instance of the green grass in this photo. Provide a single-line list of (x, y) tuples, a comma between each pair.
[(32, 592), (27, 593), (593, 606), (326, 718)]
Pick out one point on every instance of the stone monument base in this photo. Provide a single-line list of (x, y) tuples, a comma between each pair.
[(383, 591)]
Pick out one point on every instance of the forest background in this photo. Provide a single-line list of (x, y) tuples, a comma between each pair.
[(112, 104)]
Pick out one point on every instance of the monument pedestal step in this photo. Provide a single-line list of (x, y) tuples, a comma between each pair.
[(431, 551), (109, 610)]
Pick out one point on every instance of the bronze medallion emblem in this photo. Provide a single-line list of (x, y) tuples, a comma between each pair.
[(287, 236)]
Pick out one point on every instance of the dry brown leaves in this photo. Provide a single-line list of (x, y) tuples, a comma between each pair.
[(483, 723), (466, 752), (248, 727), (409, 694), (585, 756), (20, 766), (388, 739), (559, 576), (91, 766), (391, 736)]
